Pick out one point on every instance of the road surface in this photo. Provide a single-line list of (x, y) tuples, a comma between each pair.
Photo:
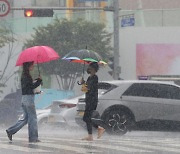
[(69, 142)]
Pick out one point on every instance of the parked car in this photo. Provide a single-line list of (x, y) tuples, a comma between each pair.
[(60, 112), (10, 108), (63, 112), (42, 115), (130, 103)]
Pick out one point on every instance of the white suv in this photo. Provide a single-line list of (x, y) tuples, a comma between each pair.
[(130, 102)]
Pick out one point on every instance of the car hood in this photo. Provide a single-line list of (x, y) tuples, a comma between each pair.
[(69, 101)]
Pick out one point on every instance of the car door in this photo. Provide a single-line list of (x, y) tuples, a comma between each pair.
[(169, 96), (142, 99)]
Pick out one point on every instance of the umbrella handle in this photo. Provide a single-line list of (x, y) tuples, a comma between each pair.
[(79, 83), (38, 68)]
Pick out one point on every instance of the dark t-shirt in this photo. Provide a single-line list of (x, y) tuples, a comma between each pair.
[(27, 84), (92, 94)]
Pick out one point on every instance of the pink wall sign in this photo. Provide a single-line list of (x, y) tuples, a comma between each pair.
[(157, 59)]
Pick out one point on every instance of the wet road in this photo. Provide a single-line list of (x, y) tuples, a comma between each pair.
[(69, 142)]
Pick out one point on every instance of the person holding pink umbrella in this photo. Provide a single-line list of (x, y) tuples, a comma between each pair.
[(28, 105), (27, 59)]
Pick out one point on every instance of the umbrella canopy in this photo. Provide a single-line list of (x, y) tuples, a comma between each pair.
[(83, 56), (85, 60), (37, 54), (90, 60), (84, 53)]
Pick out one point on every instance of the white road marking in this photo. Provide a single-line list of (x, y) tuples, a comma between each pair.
[(54, 145), (147, 146), (115, 147), (10, 146), (132, 145), (69, 148), (128, 142)]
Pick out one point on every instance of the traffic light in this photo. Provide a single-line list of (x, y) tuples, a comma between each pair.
[(111, 65), (28, 13), (38, 12)]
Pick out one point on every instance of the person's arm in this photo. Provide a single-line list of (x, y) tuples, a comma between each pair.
[(28, 82), (37, 83), (93, 85)]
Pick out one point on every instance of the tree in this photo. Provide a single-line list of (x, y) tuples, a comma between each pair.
[(6, 38), (65, 36)]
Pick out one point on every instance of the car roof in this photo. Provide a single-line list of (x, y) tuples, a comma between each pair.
[(119, 82)]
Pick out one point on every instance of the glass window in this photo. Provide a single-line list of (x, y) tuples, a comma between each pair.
[(104, 88), (168, 91), (134, 90), (149, 90), (142, 90), (153, 90)]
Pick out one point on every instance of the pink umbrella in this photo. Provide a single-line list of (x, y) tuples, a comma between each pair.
[(37, 54)]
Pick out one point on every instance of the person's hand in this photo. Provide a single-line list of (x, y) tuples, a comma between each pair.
[(40, 77), (84, 88), (82, 81)]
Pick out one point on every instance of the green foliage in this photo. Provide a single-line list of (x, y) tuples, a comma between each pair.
[(64, 36), (5, 36)]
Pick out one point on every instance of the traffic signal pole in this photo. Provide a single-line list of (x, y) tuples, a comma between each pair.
[(59, 8), (116, 40)]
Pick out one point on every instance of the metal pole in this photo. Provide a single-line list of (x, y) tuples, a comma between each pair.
[(116, 39), (59, 8)]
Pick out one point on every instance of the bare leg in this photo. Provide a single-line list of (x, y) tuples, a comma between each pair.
[(100, 132), (89, 129)]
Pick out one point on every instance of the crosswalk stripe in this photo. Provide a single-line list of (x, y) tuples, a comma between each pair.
[(130, 142), (112, 147), (64, 139), (147, 146), (174, 145), (20, 148), (80, 142), (165, 141), (64, 147), (125, 145), (150, 140), (70, 148)]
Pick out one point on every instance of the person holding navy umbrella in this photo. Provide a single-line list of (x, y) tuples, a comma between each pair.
[(91, 99)]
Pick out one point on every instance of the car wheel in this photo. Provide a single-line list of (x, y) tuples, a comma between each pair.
[(118, 122)]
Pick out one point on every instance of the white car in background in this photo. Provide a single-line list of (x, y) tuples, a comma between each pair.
[(42, 115), (133, 103), (63, 112), (60, 112)]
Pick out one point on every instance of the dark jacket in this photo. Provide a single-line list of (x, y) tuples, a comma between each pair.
[(28, 86), (92, 94)]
